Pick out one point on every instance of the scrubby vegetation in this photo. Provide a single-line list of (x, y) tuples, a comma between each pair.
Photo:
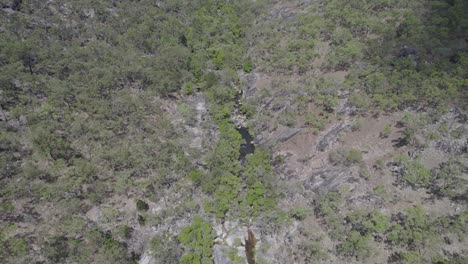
[(120, 131)]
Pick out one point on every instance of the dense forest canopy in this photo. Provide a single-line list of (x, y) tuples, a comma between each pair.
[(101, 102)]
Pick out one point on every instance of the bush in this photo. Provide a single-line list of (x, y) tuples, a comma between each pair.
[(354, 156), (18, 246), (364, 172), (165, 248), (313, 251), (411, 124), (449, 181), (196, 176), (345, 157), (56, 249), (112, 251), (141, 220), (247, 109), (386, 131), (329, 203), (342, 57), (199, 239), (415, 173), (337, 157), (298, 213), (356, 245), (316, 122), (409, 257), (378, 222), (142, 206), (415, 230), (247, 67)]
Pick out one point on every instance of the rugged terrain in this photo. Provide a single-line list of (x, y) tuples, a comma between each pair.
[(233, 131)]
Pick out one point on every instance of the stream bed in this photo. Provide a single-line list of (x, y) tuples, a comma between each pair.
[(250, 243), (247, 147)]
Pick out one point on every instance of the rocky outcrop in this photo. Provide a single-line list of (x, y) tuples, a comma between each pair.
[(197, 129), (219, 255), (332, 136), (330, 179), (280, 137), (230, 236)]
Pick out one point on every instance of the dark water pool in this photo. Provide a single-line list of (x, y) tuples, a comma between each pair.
[(247, 147)]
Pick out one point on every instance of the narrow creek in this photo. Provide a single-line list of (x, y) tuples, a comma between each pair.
[(246, 148)]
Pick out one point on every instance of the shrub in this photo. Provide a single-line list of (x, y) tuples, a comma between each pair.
[(199, 239), (364, 172), (6, 206), (449, 181), (247, 109), (345, 157), (329, 203), (378, 222), (247, 67), (142, 206), (414, 231), (360, 101), (298, 213), (112, 251), (337, 157), (188, 88), (386, 131), (126, 231), (411, 124), (410, 257), (56, 249), (354, 156), (315, 122), (379, 190), (414, 172), (356, 245), (18, 246), (343, 56), (141, 220), (165, 248), (313, 251), (196, 176), (356, 125)]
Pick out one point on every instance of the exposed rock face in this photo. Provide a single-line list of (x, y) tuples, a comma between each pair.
[(250, 88), (330, 179), (281, 137), (332, 136), (219, 256), (197, 130), (147, 259), (230, 236), (448, 145), (288, 134)]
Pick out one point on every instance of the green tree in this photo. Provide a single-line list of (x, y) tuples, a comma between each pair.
[(356, 245), (199, 240), (414, 172), (165, 248)]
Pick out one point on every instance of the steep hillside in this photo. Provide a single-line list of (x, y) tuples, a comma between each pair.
[(214, 131)]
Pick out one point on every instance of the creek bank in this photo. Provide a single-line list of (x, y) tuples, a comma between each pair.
[(250, 243), (247, 147)]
